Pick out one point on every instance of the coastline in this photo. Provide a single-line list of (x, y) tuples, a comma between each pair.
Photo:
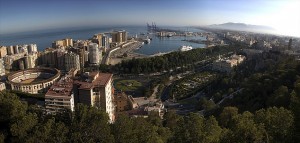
[(126, 53)]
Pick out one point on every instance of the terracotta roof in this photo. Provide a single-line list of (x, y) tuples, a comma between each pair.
[(62, 89), (101, 80)]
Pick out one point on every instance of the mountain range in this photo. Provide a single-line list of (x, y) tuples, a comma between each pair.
[(243, 27)]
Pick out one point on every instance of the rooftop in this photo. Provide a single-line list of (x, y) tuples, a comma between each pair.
[(138, 112), (62, 88), (94, 79)]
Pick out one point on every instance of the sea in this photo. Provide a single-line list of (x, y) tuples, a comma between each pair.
[(44, 38)]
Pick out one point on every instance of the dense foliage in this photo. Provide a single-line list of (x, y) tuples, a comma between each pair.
[(22, 123), (265, 107), (173, 60)]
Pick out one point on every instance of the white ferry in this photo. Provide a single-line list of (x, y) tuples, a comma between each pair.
[(185, 48)]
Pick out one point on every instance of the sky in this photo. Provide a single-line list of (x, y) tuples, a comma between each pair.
[(30, 15)]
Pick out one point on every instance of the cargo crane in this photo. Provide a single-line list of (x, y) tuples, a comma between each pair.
[(152, 27)]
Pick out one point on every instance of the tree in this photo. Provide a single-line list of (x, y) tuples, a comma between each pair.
[(207, 105), (227, 115), (21, 128), (11, 108), (145, 132), (49, 132), (195, 125), (279, 98), (90, 125), (164, 133), (212, 131), (154, 119), (246, 130), (2, 137), (278, 122), (171, 119), (59, 132), (196, 129), (123, 130), (13, 116), (295, 107)]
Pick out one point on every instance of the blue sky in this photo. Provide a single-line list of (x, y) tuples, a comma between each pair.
[(26, 15)]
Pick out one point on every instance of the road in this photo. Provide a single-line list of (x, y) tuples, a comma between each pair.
[(105, 59)]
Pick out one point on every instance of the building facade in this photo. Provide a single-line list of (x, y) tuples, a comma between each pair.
[(16, 49), (32, 48), (95, 89), (94, 54), (98, 39), (10, 50), (2, 67), (124, 102), (72, 61), (30, 60), (2, 86), (81, 52), (105, 42), (121, 102), (54, 58), (3, 51), (60, 96), (227, 64), (62, 43), (119, 36)]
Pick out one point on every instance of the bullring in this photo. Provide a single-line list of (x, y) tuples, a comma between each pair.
[(34, 80)]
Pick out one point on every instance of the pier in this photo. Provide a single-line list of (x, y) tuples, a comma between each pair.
[(153, 28), (125, 51)]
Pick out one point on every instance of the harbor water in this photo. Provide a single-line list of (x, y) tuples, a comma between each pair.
[(44, 38)]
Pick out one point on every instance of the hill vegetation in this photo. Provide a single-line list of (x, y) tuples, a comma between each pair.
[(265, 107), (22, 123)]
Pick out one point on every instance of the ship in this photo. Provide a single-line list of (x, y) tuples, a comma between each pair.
[(147, 41), (185, 48), (169, 35)]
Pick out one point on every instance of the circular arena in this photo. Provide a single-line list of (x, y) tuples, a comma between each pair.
[(35, 80)]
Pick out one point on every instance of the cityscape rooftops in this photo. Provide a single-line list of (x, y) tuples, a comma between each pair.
[(62, 88), (92, 79)]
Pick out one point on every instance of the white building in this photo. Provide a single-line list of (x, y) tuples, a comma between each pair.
[(2, 86), (31, 60), (10, 50), (16, 49), (2, 67), (96, 89), (72, 61), (105, 42), (227, 64), (157, 107), (60, 96), (32, 48), (23, 49), (94, 57)]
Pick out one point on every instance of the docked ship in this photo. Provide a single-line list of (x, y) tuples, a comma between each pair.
[(147, 41), (185, 48)]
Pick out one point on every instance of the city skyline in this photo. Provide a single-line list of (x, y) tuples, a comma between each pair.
[(20, 16)]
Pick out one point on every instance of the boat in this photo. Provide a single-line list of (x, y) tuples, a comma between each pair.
[(185, 48), (147, 41)]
